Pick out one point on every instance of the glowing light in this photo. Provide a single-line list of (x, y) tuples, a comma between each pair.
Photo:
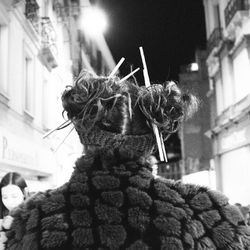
[(94, 21), (194, 67)]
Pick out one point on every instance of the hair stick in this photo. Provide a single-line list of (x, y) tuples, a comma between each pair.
[(158, 136), (130, 74), (116, 67)]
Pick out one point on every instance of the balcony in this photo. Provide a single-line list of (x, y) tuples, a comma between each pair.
[(239, 7), (214, 40), (233, 114), (67, 9), (48, 53), (31, 13)]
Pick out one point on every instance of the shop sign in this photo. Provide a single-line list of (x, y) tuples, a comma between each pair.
[(15, 150)]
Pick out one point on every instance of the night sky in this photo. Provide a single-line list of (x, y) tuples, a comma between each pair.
[(168, 30)]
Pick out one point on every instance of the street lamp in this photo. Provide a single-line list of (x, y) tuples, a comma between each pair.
[(93, 21)]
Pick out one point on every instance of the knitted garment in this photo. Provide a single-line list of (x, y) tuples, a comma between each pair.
[(133, 145), (122, 206)]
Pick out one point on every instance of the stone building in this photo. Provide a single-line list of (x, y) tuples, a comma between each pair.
[(228, 63), (42, 49), (196, 146)]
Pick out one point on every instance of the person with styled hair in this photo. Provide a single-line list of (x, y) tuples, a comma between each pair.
[(112, 200), (13, 191)]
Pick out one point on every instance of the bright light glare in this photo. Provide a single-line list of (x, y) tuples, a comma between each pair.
[(94, 21), (194, 66)]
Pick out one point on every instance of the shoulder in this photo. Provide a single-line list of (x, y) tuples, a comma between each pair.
[(190, 216), (38, 214)]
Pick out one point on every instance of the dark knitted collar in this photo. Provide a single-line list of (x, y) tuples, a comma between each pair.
[(134, 145)]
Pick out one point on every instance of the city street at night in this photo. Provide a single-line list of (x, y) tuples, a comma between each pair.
[(125, 88)]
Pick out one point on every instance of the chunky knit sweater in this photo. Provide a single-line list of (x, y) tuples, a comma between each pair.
[(121, 205)]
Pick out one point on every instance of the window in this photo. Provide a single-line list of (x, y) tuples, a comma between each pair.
[(216, 11), (28, 85), (4, 60), (235, 175), (219, 95), (45, 107), (241, 66), (227, 76)]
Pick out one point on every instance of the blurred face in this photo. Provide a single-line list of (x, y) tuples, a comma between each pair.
[(12, 196)]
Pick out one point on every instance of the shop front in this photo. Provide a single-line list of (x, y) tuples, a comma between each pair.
[(33, 160), (233, 165)]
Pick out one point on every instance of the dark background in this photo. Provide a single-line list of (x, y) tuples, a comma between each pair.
[(169, 32)]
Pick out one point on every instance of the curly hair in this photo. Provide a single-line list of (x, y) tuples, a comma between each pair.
[(125, 108)]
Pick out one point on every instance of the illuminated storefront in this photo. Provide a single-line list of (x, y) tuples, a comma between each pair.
[(233, 157), (24, 155)]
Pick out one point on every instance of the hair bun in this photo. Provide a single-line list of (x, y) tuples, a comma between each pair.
[(121, 108), (93, 99), (165, 105), (82, 98)]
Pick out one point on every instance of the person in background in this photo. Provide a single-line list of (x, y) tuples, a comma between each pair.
[(13, 191), (244, 211), (112, 200)]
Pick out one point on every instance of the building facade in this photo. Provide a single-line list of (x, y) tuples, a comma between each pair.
[(41, 50), (228, 63), (196, 146)]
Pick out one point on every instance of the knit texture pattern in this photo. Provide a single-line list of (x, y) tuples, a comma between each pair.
[(132, 144), (121, 205)]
